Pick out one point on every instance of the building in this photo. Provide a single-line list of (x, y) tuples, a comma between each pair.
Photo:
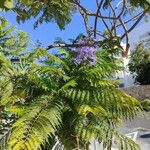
[(138, 34)]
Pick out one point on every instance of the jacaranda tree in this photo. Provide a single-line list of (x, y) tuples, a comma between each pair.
[(66, 100), (63, 100)]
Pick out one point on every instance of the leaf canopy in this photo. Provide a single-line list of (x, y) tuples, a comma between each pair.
[(51, 101), (58, 11)]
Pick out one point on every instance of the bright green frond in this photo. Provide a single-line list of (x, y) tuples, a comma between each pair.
[(39, 121)]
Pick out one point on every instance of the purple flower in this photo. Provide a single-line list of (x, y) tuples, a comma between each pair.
[(85, 54)]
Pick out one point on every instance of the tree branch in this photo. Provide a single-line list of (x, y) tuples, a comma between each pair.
[(96, 18), (135, 24), (64, 45), (131, 19), (127, 37), (95, 14)]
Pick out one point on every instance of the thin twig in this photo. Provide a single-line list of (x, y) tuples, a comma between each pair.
[(127, 37), (64, 45), (131, 19), (135, 24), (96, 18)]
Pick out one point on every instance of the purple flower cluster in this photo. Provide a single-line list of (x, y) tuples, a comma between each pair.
[(85, 54)]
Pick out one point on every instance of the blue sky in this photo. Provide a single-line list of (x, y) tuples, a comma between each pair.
[(47, 33)]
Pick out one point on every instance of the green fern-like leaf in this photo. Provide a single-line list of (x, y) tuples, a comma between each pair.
[(40, 121)]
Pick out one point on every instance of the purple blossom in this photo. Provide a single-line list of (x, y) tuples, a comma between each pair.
[(85, 54)]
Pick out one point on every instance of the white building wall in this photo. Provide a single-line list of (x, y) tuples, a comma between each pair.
[(138, 34)]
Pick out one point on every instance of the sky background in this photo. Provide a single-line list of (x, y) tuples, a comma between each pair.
[(47, 33)]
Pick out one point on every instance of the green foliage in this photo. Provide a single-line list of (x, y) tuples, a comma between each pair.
[(140, 64), (53, 101), (143, 3), (7, 4), (146, 105), (12, 41), (39, 122), (58, 11)]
